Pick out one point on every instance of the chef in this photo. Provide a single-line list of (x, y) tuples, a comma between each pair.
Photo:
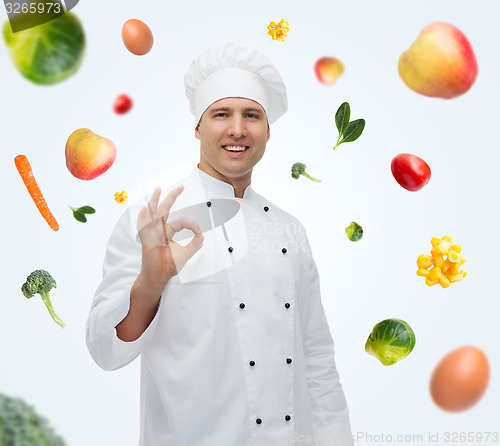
[(216, 289)]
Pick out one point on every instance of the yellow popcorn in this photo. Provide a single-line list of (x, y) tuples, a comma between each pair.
[(121, 197), (278, 31), (442, 266)]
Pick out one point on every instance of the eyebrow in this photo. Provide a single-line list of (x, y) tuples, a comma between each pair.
[(226, 109)]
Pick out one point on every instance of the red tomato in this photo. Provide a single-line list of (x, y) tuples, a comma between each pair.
[(122, 104), (410, 171)]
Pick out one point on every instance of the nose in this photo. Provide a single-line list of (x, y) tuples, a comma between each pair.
[(237, 127)]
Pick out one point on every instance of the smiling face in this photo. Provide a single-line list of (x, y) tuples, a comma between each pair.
[(233, 133)]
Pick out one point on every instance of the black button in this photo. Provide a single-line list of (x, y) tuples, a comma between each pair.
[(283, 250), (266, 208), (288, 360), (230, 249), (242, 305), (287, 305), (209, 204), (258, 421), (288, 417), (252, 363)]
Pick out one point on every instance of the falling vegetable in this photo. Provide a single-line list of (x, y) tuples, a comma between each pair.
[(121, 197), (24, 169), (49, 53), (354, 232), (438, 269), (390, 341), (41, 282), (410, 171), (122, 104), (348, 131), (20, 424), (278, 31), (79, 213), (300, 169)]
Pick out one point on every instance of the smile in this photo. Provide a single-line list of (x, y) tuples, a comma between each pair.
[(235, 148)]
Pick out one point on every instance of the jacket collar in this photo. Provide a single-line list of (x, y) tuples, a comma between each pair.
[(216, 188)]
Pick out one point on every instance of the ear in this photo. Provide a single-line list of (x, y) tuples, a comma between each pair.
[(197, 132), (268, 132)]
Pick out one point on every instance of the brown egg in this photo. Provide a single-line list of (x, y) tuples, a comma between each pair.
[(460, 379), (137, 37)]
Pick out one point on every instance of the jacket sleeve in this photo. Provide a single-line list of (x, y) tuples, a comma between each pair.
[(329, 407), (111, 303)]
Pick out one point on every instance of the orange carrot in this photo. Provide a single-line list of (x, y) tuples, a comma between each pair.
[(24, 169)]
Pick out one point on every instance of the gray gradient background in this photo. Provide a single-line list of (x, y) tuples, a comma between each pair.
[(362, 283)]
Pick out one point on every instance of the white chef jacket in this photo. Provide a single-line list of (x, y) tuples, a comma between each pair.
[(239, 352)]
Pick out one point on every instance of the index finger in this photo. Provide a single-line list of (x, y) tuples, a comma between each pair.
[(153, 202), (169, 200)]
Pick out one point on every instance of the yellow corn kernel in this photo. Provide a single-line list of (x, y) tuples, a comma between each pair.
[(444, 247), (453, 256), (424, 261), (435, 241), (464, 273), (438, 261), (440, 249), (456, 248), (431, 282), (456, 278), (435, 273), (444, 282), (435, 251), (462, 259), (446, 266), (422, 272), (454, 269), (448, 238)]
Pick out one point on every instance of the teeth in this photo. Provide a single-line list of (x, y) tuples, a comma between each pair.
[(235, 148)]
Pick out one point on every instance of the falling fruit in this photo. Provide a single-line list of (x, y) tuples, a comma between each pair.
[(328, 70), (440, 63), (89, 155)]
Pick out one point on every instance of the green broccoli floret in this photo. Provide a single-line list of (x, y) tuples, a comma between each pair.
[(41, 282), (21, 425), (300, 169)]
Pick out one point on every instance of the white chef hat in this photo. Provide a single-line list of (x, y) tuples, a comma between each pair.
[(235, 71)]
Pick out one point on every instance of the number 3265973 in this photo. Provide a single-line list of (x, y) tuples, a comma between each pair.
[(33, 8)]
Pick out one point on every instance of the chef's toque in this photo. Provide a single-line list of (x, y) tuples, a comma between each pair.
[(235, 71)]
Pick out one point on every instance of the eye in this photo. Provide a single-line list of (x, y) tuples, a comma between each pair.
[(253, 115), (221, 114)]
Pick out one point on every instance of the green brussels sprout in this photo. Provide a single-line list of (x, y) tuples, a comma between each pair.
[(48, 53), (354, 232), (390, 341)]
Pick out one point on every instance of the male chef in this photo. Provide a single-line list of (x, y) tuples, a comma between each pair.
[(216, 289)]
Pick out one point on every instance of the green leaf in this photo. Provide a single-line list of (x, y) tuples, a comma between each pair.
[(87, 210), (79, 216), (342, 117), (353, 130)]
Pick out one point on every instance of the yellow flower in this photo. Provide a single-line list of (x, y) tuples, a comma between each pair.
[(278, 31), (121, 197)]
